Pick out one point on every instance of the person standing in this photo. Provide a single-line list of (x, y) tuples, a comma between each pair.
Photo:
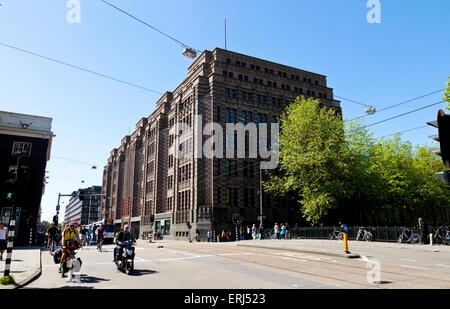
[(209, 236), (254, 231), (283, 232), (241, 233), (276, 230), (288, 231), (260, 231), (3, 238)]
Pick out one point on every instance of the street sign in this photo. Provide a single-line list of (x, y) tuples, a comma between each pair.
[(344, 228)]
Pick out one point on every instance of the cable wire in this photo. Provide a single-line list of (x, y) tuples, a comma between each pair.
[(403, 114), (80, 68), (405, 131), (395, 105), (148, 25)]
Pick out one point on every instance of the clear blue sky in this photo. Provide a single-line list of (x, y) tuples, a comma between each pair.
[(405, 56)]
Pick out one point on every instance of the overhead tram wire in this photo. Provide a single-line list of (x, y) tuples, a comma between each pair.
[(150, 26), (401, 115), (405, 131), (395, 105), (80, 68)]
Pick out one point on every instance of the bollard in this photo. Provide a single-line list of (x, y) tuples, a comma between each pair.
[(346, 243), (431, 239)]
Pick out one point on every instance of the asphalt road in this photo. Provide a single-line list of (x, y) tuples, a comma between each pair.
[(283, 265)]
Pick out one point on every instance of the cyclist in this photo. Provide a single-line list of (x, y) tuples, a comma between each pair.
[(51, 235), (69, 234), (100, 233), (83, 232)]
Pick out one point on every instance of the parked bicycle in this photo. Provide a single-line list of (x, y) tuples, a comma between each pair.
[(270, 235), (336, 234), (414, 238), (442, 235), (363, 234)]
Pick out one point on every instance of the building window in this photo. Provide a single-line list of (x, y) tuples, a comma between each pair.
[(240, 77), (255, 80), (230, 74), (228, 60)]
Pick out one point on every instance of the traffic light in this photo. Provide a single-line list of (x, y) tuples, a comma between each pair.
[(236, 219), (443, 137), (55, 220), (152, 218)]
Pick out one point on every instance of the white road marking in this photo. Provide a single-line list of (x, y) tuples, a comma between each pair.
[(443, 265), (407, 260), (415, 267), (186, 258), (228, 254)]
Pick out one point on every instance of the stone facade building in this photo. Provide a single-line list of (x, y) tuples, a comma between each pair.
[(144, 176)]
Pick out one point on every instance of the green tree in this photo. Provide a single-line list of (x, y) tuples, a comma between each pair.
[(447, 95), (312, 158)]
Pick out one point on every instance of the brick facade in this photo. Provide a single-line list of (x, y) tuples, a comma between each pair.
[(221, 86)]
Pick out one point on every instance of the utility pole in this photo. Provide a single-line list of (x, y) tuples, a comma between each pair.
[(12, 223), (260, 197)]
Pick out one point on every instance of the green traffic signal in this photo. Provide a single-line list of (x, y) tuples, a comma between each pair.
[(9, 195)]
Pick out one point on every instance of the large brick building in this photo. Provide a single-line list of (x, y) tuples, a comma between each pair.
[(143, 175)]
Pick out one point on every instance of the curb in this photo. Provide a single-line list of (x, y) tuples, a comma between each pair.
[(342, 255), (34, 276)]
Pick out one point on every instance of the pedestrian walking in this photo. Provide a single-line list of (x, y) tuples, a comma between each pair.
[(276, 230), (3, 238), (254, 231), (241, 233), (248, 233), (209, 236)]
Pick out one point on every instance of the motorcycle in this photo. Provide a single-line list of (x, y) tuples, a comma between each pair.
[(125, 263)]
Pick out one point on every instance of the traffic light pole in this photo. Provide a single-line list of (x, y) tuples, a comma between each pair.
[(12, 225)]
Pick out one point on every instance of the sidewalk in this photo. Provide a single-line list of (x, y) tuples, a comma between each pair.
[(25, 266), (335, 247)]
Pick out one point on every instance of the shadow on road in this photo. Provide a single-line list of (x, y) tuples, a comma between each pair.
[(143, 272), (90, 279)]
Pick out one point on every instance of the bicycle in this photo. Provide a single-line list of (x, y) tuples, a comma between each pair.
[(52, 247), (439, 237), (404, 238), (336, 235), (271, 235), (363, 234)]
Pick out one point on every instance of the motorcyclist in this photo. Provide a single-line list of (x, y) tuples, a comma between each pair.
[(69, 234), (123, 236)]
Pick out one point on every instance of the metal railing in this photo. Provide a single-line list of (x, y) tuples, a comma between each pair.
[(383, 233)]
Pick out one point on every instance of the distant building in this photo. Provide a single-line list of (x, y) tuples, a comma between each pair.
[(84, 206), (143, 176), (27, 140)]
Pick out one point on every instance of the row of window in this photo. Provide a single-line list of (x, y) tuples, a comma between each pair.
[(231, 197), (247, 117), (247, 97), (184, 172), (271, 71), (184, 199)]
